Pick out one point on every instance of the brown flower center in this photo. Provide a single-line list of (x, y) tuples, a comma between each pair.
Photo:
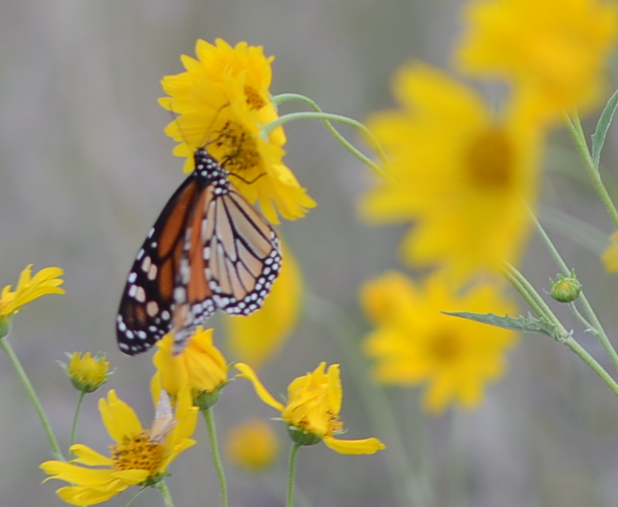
[(489, 163), (445, 346), (253, 98), (138, 453), (240, 151)]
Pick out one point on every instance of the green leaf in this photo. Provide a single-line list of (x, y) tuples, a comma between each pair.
[(522, 324), (598, 138)]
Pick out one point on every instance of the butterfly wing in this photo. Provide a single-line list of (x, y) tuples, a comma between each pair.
[(147, 306)]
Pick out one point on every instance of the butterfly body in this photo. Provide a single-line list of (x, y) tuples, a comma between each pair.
[(209, 249)]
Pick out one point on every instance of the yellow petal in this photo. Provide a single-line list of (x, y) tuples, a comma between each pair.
[(247, 372), (87, 456), (76, 474), (118, 417), (78, 495), (365, 446)]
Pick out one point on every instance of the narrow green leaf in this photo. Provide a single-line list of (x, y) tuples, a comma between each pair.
[(522, 324), (598, 138)]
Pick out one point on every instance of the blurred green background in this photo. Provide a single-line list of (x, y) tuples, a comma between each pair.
[(85, 169)]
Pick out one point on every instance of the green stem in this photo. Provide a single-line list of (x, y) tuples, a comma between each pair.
[(216, 457), (409, 486), (82, 395), (165, 493), (325, 117), (21, 373), (592, 317), (291, 474), (592, 363), (579, 139)]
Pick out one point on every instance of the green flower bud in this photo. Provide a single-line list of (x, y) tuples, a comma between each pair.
[(565, 289)]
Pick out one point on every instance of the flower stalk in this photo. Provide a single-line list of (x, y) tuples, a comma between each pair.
[(216, 456), (21, 373)]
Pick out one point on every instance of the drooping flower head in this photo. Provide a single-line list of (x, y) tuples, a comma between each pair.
[(200, 366), (312, 409), (415, 343), (28, 288), (223, 103), (554, 52), (459, 170), (139, 457)]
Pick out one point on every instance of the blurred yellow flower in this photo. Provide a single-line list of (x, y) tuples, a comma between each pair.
[(139, 457), (419, 344), (459, 172), (312, 409), (87, 373), (200, 365), (610, 256), (252, 445), (28, 289), (258, 337), (554, 51), (223, 103)]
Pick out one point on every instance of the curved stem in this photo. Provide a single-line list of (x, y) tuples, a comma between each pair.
[(592, 363), (291, 473), (82, 395), (326, 119), (216, 457), (21, 373), (577, 134), (165, 493), (592, 317)]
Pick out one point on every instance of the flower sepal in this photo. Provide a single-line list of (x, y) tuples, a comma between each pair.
[(301, 437), (205, 400), (5, 326), (153, 480)]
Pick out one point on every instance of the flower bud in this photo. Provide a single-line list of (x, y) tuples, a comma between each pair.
[(565, 289)]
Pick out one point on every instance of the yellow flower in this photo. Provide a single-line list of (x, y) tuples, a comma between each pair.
[(223, 103), (312, 410), (460, 173), (252, 445), (258, 337), (28, 289), (139, 457), (610, 256), (554, 51), (87, 373), (417, 343), (200, 366)]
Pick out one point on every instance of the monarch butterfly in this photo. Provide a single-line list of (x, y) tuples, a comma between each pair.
[(209, 249)]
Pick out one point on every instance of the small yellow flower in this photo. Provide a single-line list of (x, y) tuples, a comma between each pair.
[(258, 337), (417, 343), (610, 256), (312, 410), (87, 373), (554, 51), (199, 366), (223, 103), (252, 445), (28, 289), (460, 174), (139, 457)]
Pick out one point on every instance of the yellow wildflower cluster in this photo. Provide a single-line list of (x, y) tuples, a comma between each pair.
[(466, 173)]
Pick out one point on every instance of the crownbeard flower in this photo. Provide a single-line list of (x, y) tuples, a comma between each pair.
[(223, 104), (139, 457), (28, 289), (461, 173), (200, 366), (258, 337), (312, 409), (554, 51), (415, 343), (87, 373), (252, 445)]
